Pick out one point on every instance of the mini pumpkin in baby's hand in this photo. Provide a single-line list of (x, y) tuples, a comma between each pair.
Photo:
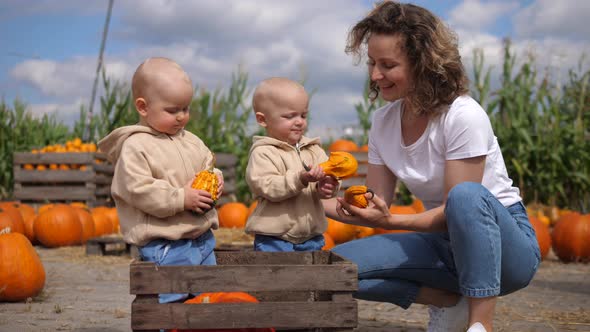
[(206, 180), (355, 195), (340, 165)]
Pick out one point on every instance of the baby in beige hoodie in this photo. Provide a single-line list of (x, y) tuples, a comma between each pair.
[(155, 164), (283, 172)]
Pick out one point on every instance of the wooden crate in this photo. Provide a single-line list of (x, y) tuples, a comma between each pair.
[(91, 185), (303, 291)]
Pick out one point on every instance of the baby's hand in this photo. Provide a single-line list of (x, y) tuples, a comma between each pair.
[(327, 187), (197, 200), (220, 184), (313, 175)]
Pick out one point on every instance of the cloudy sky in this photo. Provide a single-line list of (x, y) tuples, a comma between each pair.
[(49, 49)]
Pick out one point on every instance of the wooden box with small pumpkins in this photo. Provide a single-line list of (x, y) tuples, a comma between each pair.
[(41, 178), (249, 291)]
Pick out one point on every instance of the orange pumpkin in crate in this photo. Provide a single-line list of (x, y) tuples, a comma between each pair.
[(22, 274), (571, 236), (224, 297), (233, 215)]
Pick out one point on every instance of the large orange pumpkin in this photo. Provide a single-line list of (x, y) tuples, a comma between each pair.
[(29, 215), (103, 224), (58, 226), (396, 209), (18, 225), (340, 232), (224, 297), (7, 220), (343, 145), (571, 236), (543, 235), (22, 274), (233, 215), (87, 223), (328, 242)]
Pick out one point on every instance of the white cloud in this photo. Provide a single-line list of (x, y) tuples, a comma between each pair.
[(68, 112), (565, 18), (479, 15)]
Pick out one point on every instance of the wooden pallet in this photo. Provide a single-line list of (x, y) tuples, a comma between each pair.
[(110, 245), (302, 291)]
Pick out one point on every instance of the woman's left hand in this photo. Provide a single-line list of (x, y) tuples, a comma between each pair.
[(376, 214)]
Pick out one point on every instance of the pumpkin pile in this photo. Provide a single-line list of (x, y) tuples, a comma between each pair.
[(74, 145)]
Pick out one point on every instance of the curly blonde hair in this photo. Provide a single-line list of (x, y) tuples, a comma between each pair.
[(431, 47)]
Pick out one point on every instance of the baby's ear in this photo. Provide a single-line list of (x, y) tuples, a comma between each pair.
[(141, 106), (261, 119)]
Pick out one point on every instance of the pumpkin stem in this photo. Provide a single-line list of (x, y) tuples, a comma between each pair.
[(372, 193)]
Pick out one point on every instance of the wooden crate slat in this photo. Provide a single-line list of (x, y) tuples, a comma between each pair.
[(48, 176), (181, 279), (103, 179), (20, 158), (49, 193), (103, 191), (104, 168), (244, 315), (224, 160), (267, 258)]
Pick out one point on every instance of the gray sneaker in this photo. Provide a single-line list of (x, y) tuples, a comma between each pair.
[(449, 319)]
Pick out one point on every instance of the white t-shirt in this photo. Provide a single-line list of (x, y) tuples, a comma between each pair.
[(463, 131)]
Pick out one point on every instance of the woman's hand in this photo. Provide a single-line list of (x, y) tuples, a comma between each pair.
[(376, 214)]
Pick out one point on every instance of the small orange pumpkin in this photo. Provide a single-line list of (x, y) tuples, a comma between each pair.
[(355, 195), (22, 274), (340, 165), (233, 215), (206, 180)]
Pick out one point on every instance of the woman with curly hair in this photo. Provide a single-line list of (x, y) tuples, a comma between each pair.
[(474, 242)]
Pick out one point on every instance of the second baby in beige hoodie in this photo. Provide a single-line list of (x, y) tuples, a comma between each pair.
[(283, 172)]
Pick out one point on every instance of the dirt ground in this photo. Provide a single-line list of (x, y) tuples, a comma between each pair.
[(91, 293)]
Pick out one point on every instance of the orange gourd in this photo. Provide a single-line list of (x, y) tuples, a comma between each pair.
[(355, 195), (543, 235), (340, 165), (571, 236), (208, 181), (22, 274), (233, 215), (58, 226)]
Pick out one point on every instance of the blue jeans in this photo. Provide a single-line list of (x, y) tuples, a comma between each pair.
[(274, 244), (488, 250), (180, 252)]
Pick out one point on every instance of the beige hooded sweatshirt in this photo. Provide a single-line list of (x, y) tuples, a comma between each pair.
[(285, 209), (151, 169)]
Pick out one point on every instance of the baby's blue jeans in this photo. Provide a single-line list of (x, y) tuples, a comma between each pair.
[(488, 250), (274, 244), (180, 252)]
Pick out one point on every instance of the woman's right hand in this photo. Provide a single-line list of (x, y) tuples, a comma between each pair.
[(376, 214)]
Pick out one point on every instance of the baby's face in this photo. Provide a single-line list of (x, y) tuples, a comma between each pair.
[(168, 106), (287, 121)]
